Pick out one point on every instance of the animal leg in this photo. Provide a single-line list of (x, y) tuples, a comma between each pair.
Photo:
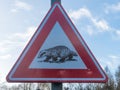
[(47, 59), (70, 57), (55, 59), (62, 60)]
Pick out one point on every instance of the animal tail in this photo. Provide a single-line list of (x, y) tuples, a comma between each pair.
[(74, 53)]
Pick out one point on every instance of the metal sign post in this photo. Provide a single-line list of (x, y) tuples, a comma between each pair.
[(56, 86), (53, 1)]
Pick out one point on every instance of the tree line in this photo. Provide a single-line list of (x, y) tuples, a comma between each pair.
[(113, 83)]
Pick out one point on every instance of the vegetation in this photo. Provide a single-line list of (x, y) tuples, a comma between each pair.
[(112, 84)]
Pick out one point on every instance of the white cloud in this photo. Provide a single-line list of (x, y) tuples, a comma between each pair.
[(102, 25), (113, 8), (14, 10), (15, 43), (115, 34), (20, 5), (114, 57), (2, 48), (5, 57), (78, 14), (11, 47), (112, 61), (94, 26), (26, 35), (90, 30), (118, 32)]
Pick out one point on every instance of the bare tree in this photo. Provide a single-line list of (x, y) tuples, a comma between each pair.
[(98, 86), (43, 86), (79, 87), (110, 85), (4, 87), (117, 75), (24, 86)]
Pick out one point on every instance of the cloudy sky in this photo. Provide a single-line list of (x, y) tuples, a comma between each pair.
[(97, 21)]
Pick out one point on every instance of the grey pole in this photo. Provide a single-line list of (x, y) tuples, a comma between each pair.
[(56, 85), (53, 1)]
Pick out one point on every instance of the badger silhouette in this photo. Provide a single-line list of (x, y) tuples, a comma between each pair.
[(56, 53)]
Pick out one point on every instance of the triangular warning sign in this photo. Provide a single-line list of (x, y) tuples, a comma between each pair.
[(56, 53)]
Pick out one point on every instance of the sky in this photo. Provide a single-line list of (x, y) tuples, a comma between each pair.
[(96, 20)]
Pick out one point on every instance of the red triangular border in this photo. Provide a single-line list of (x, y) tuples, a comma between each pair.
[(22, 73)]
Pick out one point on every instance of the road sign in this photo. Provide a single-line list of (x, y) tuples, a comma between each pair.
[(56, 53)]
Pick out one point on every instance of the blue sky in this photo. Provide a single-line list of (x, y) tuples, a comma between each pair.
[(97, 21)]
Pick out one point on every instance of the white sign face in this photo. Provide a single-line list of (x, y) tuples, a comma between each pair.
[(56, 40)]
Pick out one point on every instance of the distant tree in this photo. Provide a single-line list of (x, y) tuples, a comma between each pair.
[(110, 85), (117, 76), (98, 86), (24, 86), (4, 87), (90, 86), (43, 86), (14, 87), (66, 88), (20, 87), (79, 87), (72, 86)]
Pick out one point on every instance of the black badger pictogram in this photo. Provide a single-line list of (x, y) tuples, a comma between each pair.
[(58, 52)]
